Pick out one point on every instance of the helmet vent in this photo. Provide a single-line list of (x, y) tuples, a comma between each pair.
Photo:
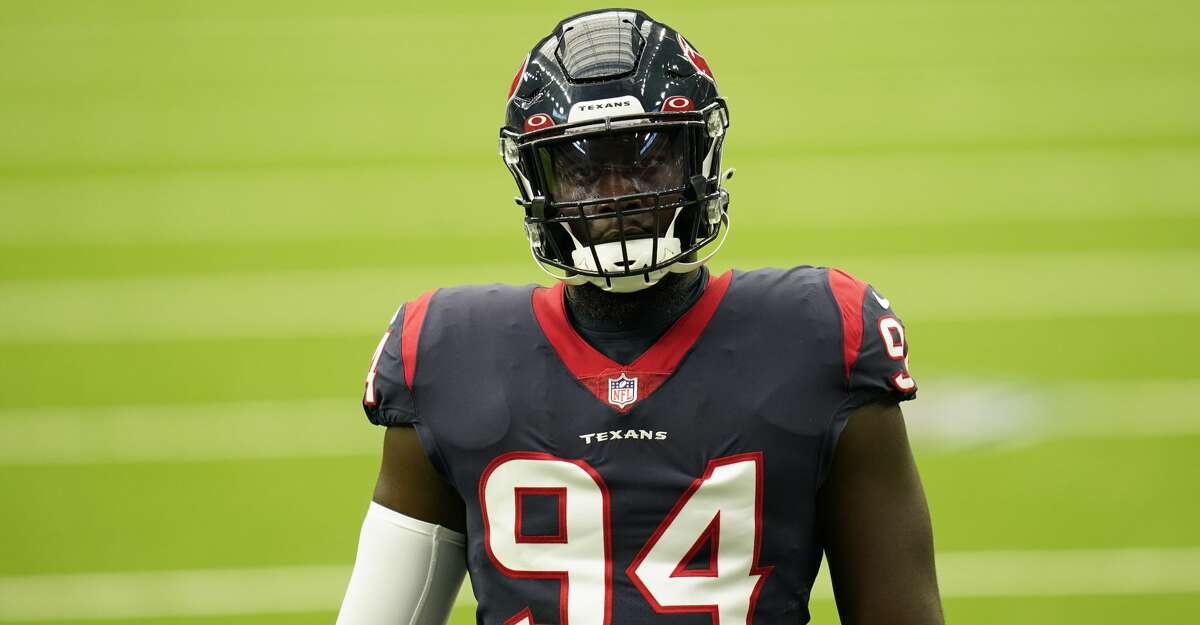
[(600, 46)]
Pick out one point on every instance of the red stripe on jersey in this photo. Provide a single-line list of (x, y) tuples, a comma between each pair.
[(666, 353), (652, 368), (414, 318), (710, 537), (849, 293)]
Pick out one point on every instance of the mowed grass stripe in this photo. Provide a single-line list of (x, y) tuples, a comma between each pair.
[(326, 303), (187, 433), (337, 101), (951, 414), (443, 199), (961, 413), (89, 376), (313, 588), (293, 511), (172, 593), (49, 260)]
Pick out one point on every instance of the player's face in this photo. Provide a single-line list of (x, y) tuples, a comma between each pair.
[(616, 165)]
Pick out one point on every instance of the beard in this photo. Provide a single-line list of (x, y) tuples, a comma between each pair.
[(659, 304)]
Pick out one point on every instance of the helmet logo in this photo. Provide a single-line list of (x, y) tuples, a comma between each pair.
[(695, 58), (516, 81), (677, 103), (537, 122)]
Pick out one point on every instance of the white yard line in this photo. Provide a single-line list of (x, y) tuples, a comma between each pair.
[(359, 301), (950, 414), (960, 413), (295, 589)]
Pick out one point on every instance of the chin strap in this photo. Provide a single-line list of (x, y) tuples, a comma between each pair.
[(684, 267)]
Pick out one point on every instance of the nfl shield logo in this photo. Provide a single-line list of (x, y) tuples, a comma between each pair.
[(622, 391)]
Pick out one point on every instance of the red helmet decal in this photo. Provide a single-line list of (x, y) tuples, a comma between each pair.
[(538, 122), (696, 59), (516, 81), (677, 103)]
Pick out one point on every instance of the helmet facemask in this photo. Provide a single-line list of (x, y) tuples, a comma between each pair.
[(620, 202)]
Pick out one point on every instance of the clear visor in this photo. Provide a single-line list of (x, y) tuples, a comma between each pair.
[(615, 164), (645, 169)]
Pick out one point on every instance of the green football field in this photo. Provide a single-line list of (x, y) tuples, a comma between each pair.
[(210, 210)]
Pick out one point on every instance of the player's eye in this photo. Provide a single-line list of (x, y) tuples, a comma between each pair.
[(652, 147)]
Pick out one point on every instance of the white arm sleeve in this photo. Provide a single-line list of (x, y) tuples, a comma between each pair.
[(408, 572)]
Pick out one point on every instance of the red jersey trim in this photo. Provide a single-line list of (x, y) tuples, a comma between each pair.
[(849, 293), (710, 537), (653, 367), (414, 318)]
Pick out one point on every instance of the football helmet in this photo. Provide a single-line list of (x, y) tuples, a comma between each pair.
[(613, 133)]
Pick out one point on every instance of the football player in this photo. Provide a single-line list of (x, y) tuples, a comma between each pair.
[(644, 442)]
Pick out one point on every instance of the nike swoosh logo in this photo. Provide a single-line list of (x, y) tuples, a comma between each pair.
[(883, 301)]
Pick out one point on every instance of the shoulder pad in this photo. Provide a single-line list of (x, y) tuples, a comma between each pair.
[(387, 396), (874, 344)]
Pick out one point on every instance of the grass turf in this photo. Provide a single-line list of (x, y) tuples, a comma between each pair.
[(223, 201)]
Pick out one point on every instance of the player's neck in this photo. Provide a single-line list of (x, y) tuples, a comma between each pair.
[(596, 309)]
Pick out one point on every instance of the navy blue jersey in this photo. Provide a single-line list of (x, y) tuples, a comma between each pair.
[(680, 488)]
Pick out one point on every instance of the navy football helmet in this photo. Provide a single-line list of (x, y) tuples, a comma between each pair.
[(613, 132)]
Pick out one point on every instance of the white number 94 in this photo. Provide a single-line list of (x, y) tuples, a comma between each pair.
[(721, 510)]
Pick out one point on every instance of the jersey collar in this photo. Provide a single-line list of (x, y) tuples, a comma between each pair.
[(623, 386)]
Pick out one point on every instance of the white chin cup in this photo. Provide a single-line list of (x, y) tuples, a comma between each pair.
[(641, 255)]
